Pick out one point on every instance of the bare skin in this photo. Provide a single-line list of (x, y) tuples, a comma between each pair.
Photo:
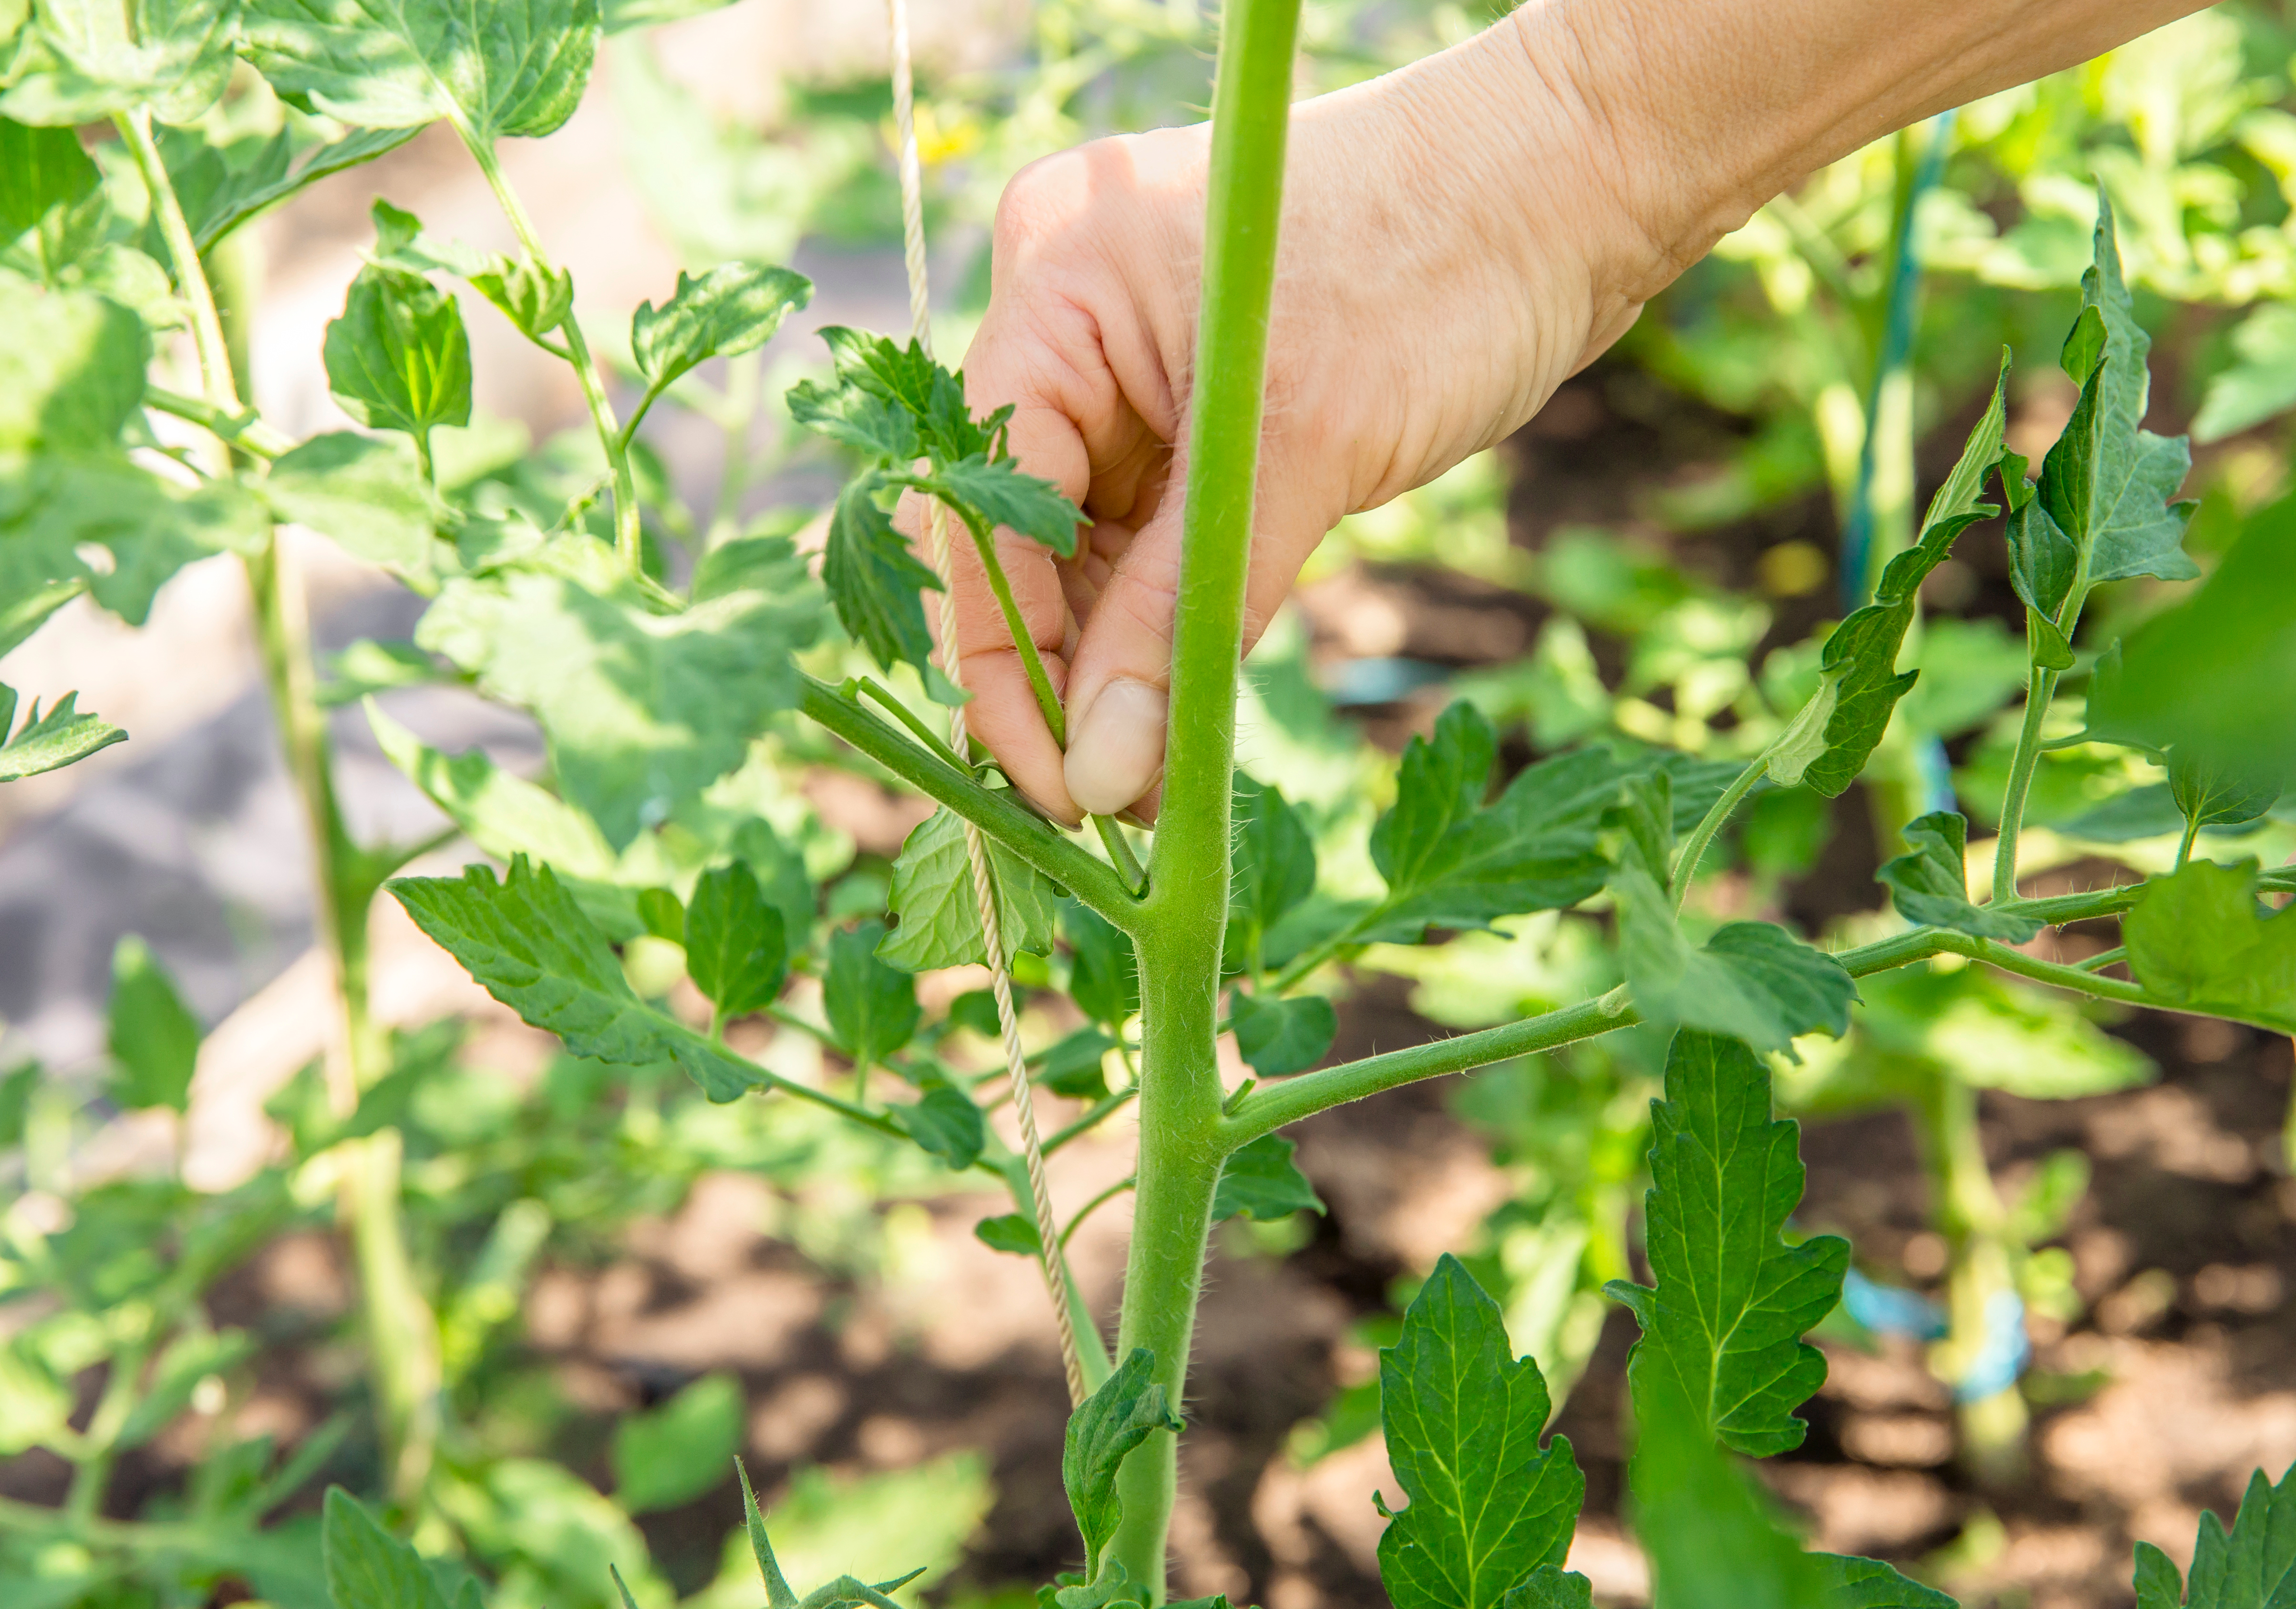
[(1459, 237)]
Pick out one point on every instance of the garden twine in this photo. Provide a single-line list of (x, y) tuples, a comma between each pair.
[(976, 850)]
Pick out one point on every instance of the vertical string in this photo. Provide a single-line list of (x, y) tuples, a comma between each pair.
[(976, 848)]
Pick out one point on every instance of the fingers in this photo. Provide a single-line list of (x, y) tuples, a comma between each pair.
[(1121, 675)]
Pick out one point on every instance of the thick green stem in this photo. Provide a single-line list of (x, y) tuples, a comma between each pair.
[(1694, 850), (628, 539), (1182, 1146), (2038, 693), (1970, 1212), (1029, 837), (402, 1335)]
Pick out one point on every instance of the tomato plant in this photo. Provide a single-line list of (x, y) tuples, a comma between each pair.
[(665, 691)]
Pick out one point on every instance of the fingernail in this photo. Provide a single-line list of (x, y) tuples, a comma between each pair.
[(1116, 752)]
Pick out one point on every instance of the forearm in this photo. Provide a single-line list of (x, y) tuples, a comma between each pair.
[(1700, 110)]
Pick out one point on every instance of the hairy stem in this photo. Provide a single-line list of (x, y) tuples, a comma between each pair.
[(984, 543), (2037, 694), (1181, 1144), (1028, 836), (628, 541), (1694, 849)]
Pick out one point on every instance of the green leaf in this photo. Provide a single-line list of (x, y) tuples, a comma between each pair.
[(2211, 677), (529, 944), (1260, 1181), (50, 203), (735, 308), (189, 1359), (1127, 1410), (399, 358), (642, 708), (16, 1087), (946, 1122), (55, 504), (2200, 942), (514, 68), (1074, 1066), (675, 1453), (1009, 1233), (366, 493), (1858, 683), (1273, 867), (1449, 863), (222, 187), (2252, 1566), (873, 425), (1279, 1036), (1551, 1587), (367, 1567), (81, 60), (504, 815), (2261, 380), (1854, 1583), (534, 299), (997, 491), (154, 1038), (2107, 481), (2209, 793), (778, 1595), (875, 580), (1930, 884), (940, 907), (2159, 1585), (1724, 1327), (735, 950), (71, 371), (50, 742), (1463, 1416), (872, 1007), (1104, 972), (1713, 1538)]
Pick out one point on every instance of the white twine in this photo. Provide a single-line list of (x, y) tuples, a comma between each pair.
[(976, 848)]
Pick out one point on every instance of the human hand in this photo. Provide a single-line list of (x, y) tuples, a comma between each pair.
[(1435, 284)]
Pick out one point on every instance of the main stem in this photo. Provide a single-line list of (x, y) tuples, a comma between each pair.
[(402, 1338), (1181, 1144)]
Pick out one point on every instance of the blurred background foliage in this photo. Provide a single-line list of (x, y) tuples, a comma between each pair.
[(1760, 407)]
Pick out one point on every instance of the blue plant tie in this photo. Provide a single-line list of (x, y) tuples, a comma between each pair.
[(1888, 1309), (2007, 1349)]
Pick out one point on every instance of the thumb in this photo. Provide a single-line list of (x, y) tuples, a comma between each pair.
[(1120, 674)]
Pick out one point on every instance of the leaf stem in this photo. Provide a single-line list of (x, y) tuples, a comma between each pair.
[(1272, 1106), (215, 377), (1694, 849), (1027, 836), (901, 712), (2039, 691), (984, 543), (2184, 848), (1076, 1218), (1119, 851), (628, 535), (243, 430)]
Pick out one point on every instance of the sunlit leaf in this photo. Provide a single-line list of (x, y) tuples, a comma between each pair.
[(2202, 940), (50, 742), (1463, 1417), (939, 908), (399, 358), (365, 492), (514, 67), (154, 1037), (1930, 884), (1724, 1326), (735, 308)]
